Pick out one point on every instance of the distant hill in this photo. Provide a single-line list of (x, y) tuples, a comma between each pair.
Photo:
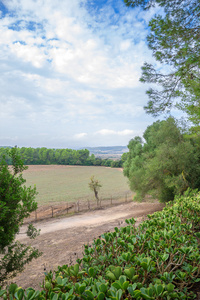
[(107, 152)]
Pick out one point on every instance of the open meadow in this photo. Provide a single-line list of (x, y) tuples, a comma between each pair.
[(58, 183)]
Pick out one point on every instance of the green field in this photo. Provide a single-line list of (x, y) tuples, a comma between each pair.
[(70, 183)]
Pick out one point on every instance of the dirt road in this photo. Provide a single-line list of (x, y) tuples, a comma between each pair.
[(61, 240)]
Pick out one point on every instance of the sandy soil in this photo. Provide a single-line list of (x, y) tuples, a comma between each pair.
[(61, 240)]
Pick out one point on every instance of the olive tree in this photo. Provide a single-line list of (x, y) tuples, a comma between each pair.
[(95, 186)]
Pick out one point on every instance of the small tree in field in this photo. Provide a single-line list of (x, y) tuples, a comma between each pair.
[(95, 186), (16, 203)]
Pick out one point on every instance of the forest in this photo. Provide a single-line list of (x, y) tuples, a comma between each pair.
[(45, 156)]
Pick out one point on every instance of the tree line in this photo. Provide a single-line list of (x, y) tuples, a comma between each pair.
[(45, 156), (165, 163)]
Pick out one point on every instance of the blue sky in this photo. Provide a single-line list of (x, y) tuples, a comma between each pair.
[(70, 73)]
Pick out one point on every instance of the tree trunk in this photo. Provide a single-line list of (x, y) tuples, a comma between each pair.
[(96, 196)]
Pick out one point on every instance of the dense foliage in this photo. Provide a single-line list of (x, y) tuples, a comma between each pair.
[(16, 203), (165, 165), (158, 260), (45, 156), (175, 43)]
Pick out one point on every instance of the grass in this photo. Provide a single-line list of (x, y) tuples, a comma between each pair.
[(70, 183)]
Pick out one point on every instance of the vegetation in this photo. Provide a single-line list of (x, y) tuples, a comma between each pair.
[(159, 259), (165, 165), (16, 203), (70, 183), (45, 156), (95, 186), (174, 41)]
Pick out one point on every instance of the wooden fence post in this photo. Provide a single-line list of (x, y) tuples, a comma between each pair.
[(77, 206), (89, 204), (52, 211)]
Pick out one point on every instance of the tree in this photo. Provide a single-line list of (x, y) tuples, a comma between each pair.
[(175, 42), (165, 165), (16, 203), (95, 186)]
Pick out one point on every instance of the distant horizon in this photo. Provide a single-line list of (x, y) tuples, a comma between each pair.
[(84, 147)]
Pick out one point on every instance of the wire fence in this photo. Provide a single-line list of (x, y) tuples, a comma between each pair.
[(69, 208)]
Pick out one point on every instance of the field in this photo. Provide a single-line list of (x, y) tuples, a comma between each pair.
[(58, 183)]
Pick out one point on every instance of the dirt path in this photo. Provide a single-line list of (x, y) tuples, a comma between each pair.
[(62, 240)]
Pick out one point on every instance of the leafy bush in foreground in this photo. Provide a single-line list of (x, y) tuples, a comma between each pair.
[(16, 203), (158, 260)]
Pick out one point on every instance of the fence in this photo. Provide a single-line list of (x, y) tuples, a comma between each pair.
[(67, 208)]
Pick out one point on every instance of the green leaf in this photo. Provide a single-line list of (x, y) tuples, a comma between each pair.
[(125, 285), (159, 289), (170, 287), (117, 272), (91, 272), (135, 278), (197, 234), (54, 297), (122, 279), (103, 288), (145, 296), (2, 292), (101, 296), (12, 288), (128, 273), (116, 285), (19, 294), (137, 294), (131, 288), (144, 265), (165, 257), (89, 295), (76, 269), (111, 276), (82, 288), (30, 293), (59, 280), (119, 294)]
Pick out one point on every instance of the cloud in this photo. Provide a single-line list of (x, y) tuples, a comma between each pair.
[(89, 50), (80, 136), (69, 68), (30, 54), (113, 132)]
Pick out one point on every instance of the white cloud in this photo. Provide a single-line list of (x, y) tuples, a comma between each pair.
[(67, 70), (113, 132), (79, 136), (30, 54)]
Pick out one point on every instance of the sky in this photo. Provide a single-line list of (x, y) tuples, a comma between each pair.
[(70, 73)]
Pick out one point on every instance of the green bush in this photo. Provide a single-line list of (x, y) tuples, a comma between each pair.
[(158, 260), (16, 203)]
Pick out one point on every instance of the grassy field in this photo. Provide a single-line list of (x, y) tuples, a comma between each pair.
[(70, 183)]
